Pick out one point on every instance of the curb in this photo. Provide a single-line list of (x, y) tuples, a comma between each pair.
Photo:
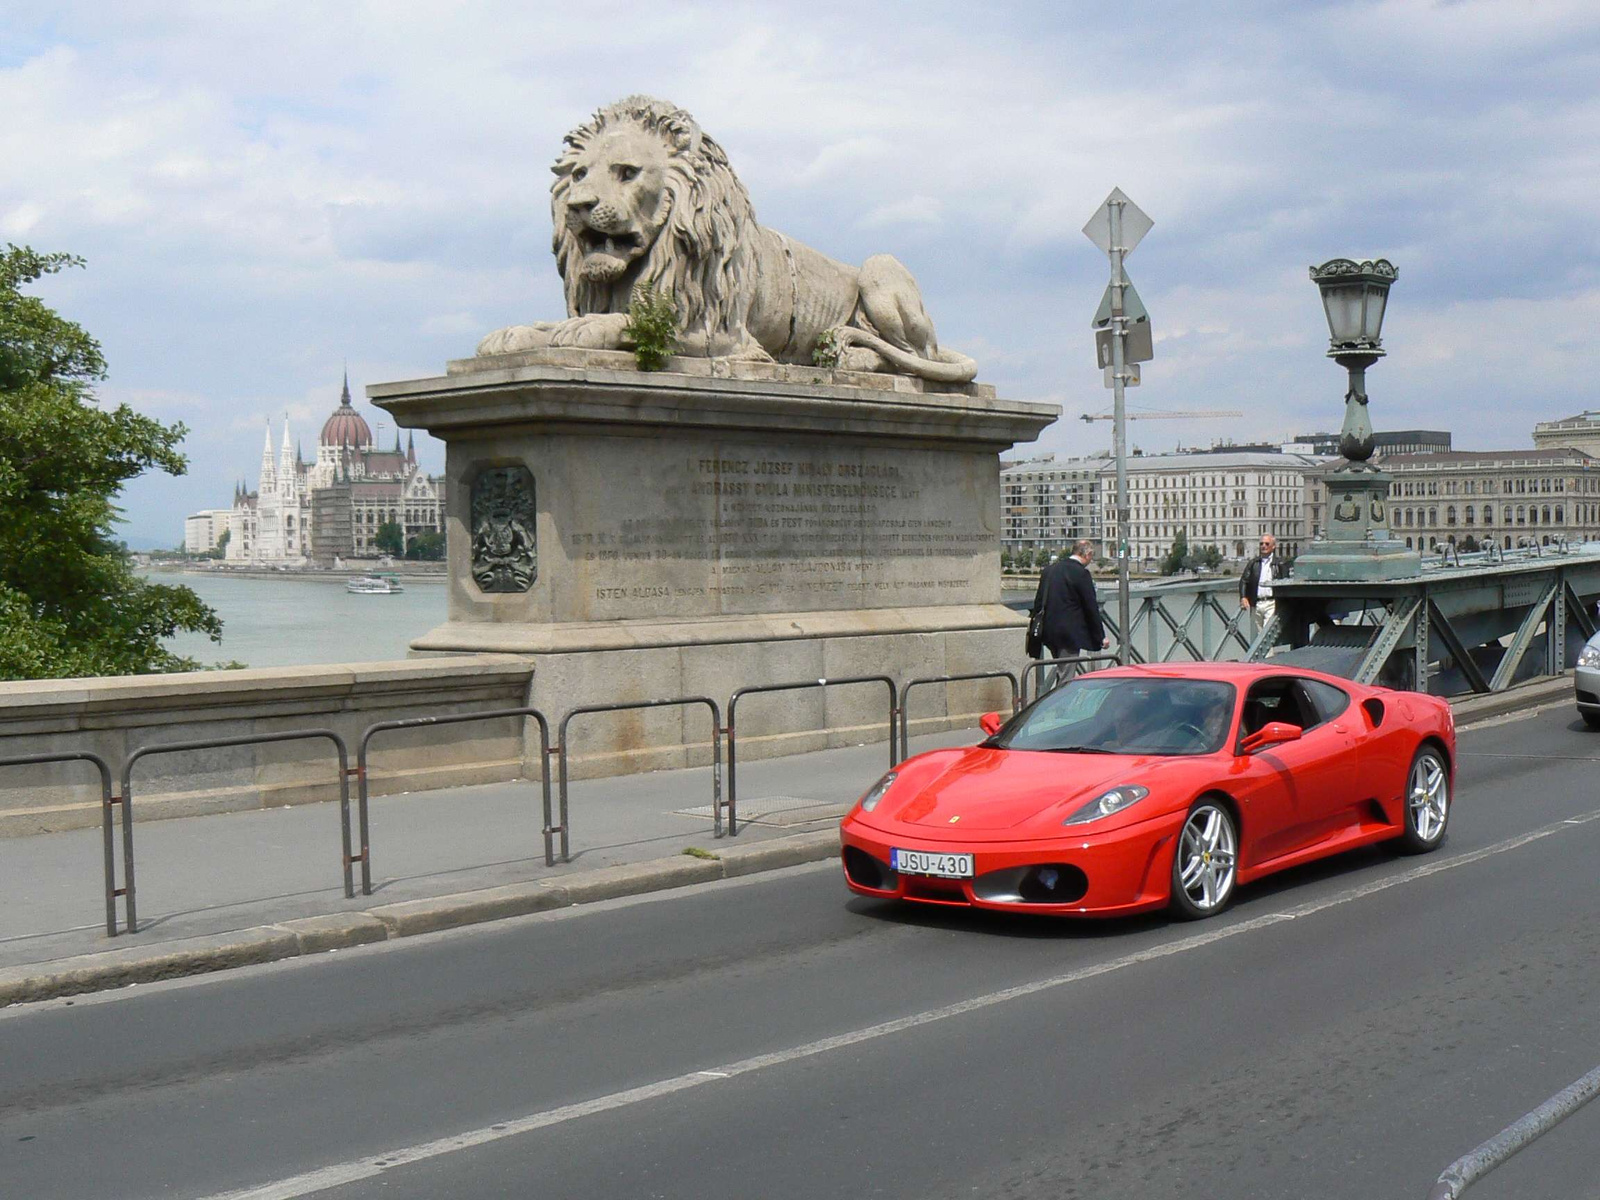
[(338, 931), (1538, 693)]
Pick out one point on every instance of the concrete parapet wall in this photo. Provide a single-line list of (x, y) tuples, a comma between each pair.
[(114, 717), (778, 723)]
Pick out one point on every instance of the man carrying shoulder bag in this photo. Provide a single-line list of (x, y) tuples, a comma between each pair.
[(1066, 612)]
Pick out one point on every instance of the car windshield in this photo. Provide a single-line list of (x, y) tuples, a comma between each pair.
[(1122, 715)]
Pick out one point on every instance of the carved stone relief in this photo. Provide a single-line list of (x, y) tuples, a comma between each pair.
[(505, 548)]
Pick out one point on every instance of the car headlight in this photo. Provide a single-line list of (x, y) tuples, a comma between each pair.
[(876, 792), (1589, 656), (1117, 799)]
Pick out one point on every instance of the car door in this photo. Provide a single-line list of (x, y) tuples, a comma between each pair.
[(1290, 794), (1340, 735)]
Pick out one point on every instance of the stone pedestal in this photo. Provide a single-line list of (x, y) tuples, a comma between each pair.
[(1358, 546), (716, 525)]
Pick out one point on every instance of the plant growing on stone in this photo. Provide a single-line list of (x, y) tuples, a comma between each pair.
[(828, 349), (652, 327)]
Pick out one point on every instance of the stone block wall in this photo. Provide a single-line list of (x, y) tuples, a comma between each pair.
[(114, 717)]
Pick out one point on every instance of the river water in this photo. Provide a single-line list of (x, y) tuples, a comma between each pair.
[(295, 621)]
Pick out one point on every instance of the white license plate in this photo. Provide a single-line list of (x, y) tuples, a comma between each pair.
[(920, 862)]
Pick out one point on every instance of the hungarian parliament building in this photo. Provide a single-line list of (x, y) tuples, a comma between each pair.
[(327, 511)]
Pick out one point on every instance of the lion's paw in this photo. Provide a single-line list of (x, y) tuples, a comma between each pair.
[(516, 337), (598, 331)]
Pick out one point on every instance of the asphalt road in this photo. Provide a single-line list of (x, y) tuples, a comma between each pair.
[(1345, 1030)]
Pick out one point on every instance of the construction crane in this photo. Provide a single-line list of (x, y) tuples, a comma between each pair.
[(1162, 415)]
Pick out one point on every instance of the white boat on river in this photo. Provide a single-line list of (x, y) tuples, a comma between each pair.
[(374, 585)]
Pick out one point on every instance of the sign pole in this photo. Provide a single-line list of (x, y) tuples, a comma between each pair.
[(1119, 428), (1116, 228)]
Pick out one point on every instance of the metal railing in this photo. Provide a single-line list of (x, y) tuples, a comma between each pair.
[(1469, 1168), (905, 698), (716, 759), (733, 702), (365, 857), (1079, 663), (107, 800), (249, 739)]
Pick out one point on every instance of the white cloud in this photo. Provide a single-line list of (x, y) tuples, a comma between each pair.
[(266, 190)]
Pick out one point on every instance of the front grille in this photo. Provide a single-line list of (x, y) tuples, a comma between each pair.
[(927, 887), (868, 872), (1046, 883)]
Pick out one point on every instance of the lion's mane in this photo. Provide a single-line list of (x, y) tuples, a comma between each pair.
[(699, 254)]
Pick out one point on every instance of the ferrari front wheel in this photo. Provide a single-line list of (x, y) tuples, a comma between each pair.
[(1427, 801), (1205, 867)]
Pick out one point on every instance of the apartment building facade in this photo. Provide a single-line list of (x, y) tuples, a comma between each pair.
[(1511, 497), (1227, 500)]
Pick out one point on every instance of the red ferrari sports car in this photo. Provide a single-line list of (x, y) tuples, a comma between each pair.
[(1141, 787)]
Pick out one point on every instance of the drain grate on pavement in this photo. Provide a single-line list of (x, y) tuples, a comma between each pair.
[(779, 812)]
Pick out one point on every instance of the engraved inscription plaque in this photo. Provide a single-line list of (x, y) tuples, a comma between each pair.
[(505, 549)]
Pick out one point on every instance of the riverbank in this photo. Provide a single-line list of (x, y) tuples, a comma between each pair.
[(420, 572)]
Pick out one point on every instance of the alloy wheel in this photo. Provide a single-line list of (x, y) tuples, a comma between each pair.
[(1208, 852), (1428, 797)]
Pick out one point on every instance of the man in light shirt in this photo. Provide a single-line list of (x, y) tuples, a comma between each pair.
[(1255, 584)]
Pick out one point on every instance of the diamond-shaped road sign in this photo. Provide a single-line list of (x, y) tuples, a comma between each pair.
[(1134, 224)]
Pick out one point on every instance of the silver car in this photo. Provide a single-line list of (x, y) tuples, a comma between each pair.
[(1588, 674)]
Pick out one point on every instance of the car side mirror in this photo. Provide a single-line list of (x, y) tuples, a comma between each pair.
[(1273, 733), (990, 723)]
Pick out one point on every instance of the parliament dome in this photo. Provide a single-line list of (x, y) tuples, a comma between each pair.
[(346, 427)]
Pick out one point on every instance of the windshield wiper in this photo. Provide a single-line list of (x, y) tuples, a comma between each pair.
[(1080, 750)]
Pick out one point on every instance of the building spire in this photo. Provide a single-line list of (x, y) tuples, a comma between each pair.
[(411, 449), (344, 395), (267, 473)]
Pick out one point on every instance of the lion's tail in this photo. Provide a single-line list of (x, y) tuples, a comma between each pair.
[(948, 367)]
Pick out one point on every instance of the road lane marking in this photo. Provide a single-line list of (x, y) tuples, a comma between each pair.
[(1541, 757), (340, 1174)]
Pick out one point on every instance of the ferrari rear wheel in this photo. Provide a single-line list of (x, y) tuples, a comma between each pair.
[(1205, 867), (1427, 801)]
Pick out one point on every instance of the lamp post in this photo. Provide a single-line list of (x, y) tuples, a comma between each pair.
[(1354, 296), (1358, 544)]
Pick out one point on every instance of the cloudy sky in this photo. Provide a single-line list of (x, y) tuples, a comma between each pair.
[(268, 191)]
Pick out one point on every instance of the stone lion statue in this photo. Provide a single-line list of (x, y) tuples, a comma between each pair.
[(643, 196)]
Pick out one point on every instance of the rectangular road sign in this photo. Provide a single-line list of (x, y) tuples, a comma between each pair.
[(1131, 376), (1140, 348)]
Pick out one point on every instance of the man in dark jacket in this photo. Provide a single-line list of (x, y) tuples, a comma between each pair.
[(1255, 582), (1071, 610)]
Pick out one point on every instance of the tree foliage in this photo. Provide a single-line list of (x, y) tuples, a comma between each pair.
[(390, 539), (427, 546), (70, 602), (1177, 557)]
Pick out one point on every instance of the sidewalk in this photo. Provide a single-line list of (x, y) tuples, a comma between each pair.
[(207, 877), (224, 890)]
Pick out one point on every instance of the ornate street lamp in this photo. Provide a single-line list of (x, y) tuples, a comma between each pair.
[(1357, 544), (1354, 295)]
